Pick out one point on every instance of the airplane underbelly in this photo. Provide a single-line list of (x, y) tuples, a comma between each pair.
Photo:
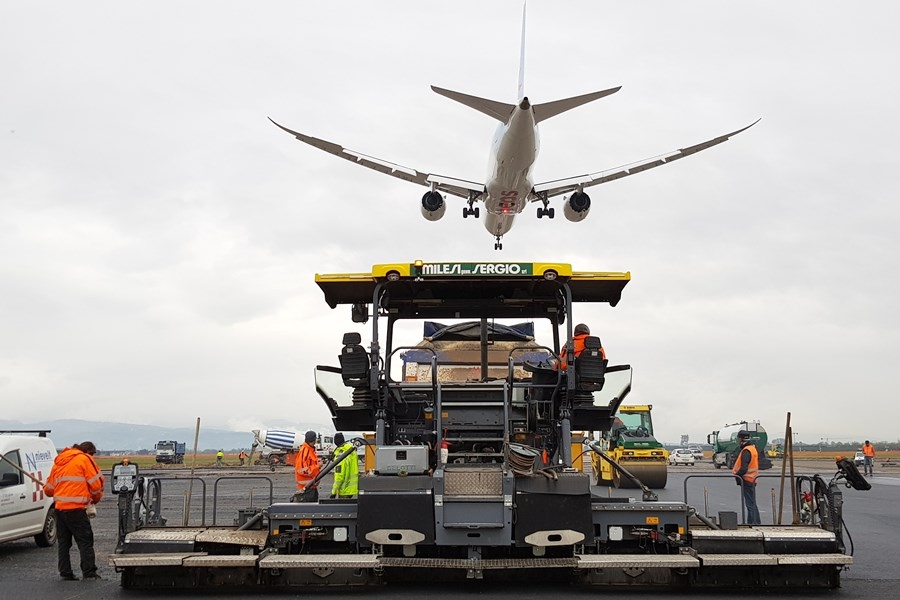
[(517, 149), (508, 180), (498, 224), (508, 194)]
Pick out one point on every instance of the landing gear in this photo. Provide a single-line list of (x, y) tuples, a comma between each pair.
[(545, 210), (472, 209), (498, 245)]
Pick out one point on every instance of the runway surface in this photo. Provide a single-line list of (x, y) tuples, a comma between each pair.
[(27, 571)]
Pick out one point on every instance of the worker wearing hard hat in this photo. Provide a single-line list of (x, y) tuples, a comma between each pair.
[(346, 474), (306, 466), (747, 468)]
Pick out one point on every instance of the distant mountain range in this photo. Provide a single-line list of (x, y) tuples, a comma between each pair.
[(129, 437)]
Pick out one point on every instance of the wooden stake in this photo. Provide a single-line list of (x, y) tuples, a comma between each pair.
[(187, 510), (787, 433)]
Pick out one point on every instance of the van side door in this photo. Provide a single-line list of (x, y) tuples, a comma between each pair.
[(15, 499)]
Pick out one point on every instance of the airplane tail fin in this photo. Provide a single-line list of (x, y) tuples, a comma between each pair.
[(498, 110), (521, 93), (544, 111), (502, 111)]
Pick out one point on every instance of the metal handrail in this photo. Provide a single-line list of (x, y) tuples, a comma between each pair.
[(796, 484), (530, 384), (389, 360), (235, 478), (156, 482)]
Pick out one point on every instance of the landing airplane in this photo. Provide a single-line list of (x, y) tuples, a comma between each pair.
[(509, 188)]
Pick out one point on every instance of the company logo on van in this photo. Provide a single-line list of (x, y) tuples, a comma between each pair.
[(32, 459)]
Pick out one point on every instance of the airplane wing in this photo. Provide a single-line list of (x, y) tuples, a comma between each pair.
[(454, 187), (549, 189)]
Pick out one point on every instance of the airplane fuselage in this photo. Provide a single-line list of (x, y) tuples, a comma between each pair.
[(513, 154)]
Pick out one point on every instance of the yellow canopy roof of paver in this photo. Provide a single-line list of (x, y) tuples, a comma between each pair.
[(473, 289)]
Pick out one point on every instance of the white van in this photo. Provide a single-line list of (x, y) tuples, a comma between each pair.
[(25, 510)]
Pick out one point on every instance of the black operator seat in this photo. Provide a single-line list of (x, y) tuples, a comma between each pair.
[(545, 382), (590, 366), (354, 360)]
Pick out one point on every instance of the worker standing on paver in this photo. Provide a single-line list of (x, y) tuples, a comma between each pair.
[(306, 466), (346, 474)]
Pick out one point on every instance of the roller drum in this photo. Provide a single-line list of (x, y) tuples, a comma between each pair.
[(654, 476)]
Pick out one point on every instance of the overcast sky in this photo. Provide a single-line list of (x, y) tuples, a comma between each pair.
[(159, 237)]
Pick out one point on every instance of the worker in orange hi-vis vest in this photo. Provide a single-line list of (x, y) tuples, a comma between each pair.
[(76, 485), (579, 334), (868, 451), (306, 467), (747, 468)]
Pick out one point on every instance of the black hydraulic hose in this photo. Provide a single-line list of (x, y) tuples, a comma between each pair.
[(847, 531), (693, 513), (334, 462), (252, 521), (649, 495), (549, 473), (574, 460), (328, 468)]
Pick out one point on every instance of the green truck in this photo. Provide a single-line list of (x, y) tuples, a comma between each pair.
[(725, 444)]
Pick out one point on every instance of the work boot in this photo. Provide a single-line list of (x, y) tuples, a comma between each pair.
[(92, 577), (68, 577)]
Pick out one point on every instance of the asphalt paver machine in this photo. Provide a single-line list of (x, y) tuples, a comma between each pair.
[(472, 470)]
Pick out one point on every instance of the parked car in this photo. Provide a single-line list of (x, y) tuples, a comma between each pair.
[(681, 456), (859, 459), (25, 511), (697, 452)]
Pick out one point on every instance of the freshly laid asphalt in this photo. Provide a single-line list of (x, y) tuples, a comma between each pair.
[(870, 518)]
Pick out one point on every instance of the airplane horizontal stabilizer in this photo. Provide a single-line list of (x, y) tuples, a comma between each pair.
[(498, 110), (544, 111)]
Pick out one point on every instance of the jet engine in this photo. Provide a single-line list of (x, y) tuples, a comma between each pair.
[(577, 206), (433, 206)]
